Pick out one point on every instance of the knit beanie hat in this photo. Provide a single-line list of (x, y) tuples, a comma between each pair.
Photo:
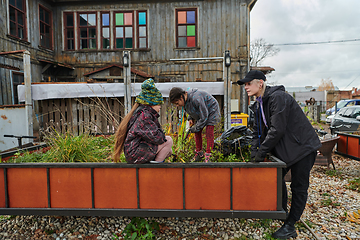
[(149, 94)]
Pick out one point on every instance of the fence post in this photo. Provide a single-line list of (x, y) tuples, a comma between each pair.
[(28, 99)]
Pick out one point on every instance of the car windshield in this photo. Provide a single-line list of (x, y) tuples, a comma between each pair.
[(341, 104)]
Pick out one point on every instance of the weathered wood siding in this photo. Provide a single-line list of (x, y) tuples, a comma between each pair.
[(222, 25), (8, 43)]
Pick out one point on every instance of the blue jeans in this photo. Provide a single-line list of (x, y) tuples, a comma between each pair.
[(300, 174)]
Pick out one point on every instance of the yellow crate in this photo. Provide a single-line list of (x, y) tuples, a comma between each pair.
[(239, 119)]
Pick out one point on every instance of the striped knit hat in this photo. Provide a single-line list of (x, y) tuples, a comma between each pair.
[(149, 94)]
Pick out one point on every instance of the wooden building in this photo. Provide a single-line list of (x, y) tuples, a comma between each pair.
[(68, 39)]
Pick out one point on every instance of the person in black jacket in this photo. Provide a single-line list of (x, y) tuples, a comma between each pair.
[(282, 129)]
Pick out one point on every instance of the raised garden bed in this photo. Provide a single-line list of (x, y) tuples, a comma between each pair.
[(349, 145), (223, 190)]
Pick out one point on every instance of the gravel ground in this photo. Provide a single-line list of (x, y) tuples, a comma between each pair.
[(329, 202)]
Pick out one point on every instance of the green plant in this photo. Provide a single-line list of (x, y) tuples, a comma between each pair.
[(354, 184), (140, 228), (334, 173), (329, 201), (69, 148), (5, 217)]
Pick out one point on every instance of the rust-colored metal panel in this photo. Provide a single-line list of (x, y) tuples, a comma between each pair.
[(207, 188), (115, 188), (255, 189), (70, 187), (341, 144), (27, 188), (353, 146), (2, 189), (161, 188)]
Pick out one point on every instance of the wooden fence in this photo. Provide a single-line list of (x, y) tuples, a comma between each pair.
[(97, 115)]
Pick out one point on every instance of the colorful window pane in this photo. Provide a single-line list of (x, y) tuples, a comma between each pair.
[(182, 17), (119, 17), (190, 17), (186, 28), (105, 19), (105, 30), (142, 29), (123, 30), (142, 18), (128, 18), (190, 30)]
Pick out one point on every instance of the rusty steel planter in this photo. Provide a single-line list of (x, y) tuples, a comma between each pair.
[(224, 190), (349, 145)]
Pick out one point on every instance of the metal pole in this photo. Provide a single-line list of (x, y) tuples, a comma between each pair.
[(225, 97), (127, 82), (28, 99)]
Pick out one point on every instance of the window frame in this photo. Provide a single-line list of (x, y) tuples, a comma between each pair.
[(138, 29), (15, 94), (49, 25), (124, 38), (66, 28), (79, 28), (24, 13), (186, 24), (101, 30)]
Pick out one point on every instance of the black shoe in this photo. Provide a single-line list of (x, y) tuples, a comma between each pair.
[(285, 232)]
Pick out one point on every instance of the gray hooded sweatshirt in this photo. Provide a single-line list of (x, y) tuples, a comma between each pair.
[(202, 108)]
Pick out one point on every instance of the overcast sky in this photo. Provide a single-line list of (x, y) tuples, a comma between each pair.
[(303, 21)]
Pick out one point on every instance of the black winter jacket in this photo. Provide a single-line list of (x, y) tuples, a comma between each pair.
[(289, 136)]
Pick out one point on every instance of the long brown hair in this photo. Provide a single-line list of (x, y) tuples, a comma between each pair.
[(121, 132)]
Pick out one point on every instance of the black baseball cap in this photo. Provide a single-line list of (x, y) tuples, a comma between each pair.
[(251, 75)]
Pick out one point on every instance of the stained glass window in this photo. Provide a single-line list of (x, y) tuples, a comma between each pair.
[(123, 32), (186, 28), (142, 29), (105, 30)]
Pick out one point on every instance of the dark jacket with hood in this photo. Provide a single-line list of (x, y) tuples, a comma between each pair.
[(143, 136), (289, 135), (203, 108)]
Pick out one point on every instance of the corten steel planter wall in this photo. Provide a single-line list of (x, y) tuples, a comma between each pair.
[(349, 145), (234, 190)]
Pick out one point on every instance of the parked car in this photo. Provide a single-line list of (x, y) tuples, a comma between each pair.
[(329, 118), (346, 119), (343, 103)]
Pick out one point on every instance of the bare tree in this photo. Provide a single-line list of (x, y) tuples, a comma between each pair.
[(326, 84), (259, 50)]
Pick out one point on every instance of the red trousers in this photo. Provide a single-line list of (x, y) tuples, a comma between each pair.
[(209, 139)]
